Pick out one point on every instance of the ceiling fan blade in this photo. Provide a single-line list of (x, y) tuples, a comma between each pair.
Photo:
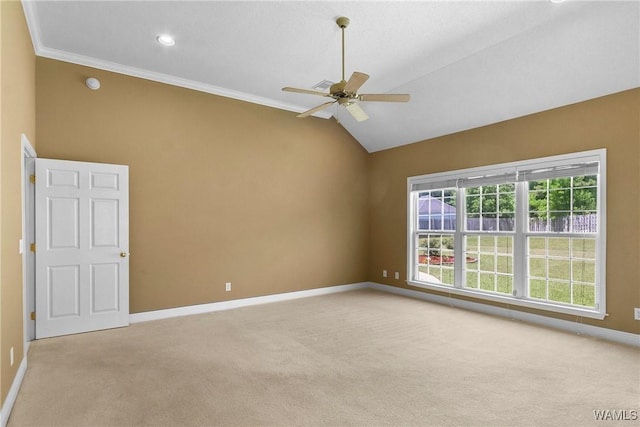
[(357, 112), (355, 81), (315, 109), (307, 91), (384, 97)]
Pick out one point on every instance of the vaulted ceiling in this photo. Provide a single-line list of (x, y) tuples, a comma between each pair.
[(465, 64)]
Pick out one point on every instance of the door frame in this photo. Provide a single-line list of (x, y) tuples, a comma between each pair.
[(28, 236)]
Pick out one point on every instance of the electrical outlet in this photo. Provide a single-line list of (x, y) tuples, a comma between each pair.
[(636, 313), (11, 356), (227, 286), (397, 275), (384, 273)]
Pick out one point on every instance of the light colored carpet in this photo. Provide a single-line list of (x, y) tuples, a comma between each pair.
[(355, 358)]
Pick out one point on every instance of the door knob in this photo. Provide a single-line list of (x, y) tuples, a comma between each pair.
[(123, 254)]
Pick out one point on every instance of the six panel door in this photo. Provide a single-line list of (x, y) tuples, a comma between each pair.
[(82, 245)]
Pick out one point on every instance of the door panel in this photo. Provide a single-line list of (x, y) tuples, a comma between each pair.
[(63, 224), (82, 228), (62, 179), (104, 287), (105, 229), (64, 291)]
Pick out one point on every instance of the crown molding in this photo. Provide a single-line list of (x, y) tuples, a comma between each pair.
[(32, 24), (87, 61)]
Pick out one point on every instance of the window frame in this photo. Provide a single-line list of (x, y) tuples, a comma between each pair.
[(451, 179)]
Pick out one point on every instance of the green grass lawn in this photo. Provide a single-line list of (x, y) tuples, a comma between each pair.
[(568, 264), (561, 269)]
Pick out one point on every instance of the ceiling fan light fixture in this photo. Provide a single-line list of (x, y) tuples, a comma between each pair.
[(165, 40)]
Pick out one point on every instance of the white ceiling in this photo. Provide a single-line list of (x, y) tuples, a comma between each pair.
[(465, 64)]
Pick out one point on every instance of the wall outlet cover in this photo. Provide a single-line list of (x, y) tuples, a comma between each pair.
[(636, 313)]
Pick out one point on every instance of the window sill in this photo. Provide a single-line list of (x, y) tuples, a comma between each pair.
[(505, 299)]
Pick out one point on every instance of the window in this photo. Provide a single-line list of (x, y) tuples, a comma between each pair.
[(528, 233)]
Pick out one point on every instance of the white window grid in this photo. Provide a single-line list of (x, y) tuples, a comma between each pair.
[(521, 234)]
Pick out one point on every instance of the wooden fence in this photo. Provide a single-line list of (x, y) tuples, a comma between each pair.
[(587, 223)]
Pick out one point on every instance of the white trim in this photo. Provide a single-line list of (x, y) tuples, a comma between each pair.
[(511, 167), (245, 302), (87, 61), (7, 406), (32, 23), (574, 327), (520, 297), (601, 241), (508, 299), (27, 147), (28, 152)]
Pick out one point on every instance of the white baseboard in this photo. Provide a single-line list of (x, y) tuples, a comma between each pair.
[(245, 302), (574, 327), (13, 393)]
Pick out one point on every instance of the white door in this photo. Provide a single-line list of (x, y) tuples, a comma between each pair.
[(82, 245)]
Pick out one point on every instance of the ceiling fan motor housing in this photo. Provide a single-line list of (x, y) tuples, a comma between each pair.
[(337, 90)]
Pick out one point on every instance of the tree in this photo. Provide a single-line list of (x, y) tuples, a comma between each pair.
[(554, 198), (491, 200)]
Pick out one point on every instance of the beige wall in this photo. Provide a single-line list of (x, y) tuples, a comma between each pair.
[(18, 117), (611, 122), (223, 190), (220, 190)]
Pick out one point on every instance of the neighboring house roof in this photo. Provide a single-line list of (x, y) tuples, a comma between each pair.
[(428, 205)]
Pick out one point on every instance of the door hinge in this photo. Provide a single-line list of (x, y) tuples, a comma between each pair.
[(32, 179), (32, 247), (33, 315)]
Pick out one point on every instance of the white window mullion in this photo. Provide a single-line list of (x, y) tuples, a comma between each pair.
[(601, 241), (520, 241), (412, 236), (458, 240)]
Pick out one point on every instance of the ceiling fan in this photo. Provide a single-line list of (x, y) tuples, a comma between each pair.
[(345, 92)]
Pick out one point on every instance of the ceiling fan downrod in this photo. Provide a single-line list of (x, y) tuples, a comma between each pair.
[(343, 22)]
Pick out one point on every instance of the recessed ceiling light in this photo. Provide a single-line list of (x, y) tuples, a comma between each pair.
[(556, 1), (165, 40)]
